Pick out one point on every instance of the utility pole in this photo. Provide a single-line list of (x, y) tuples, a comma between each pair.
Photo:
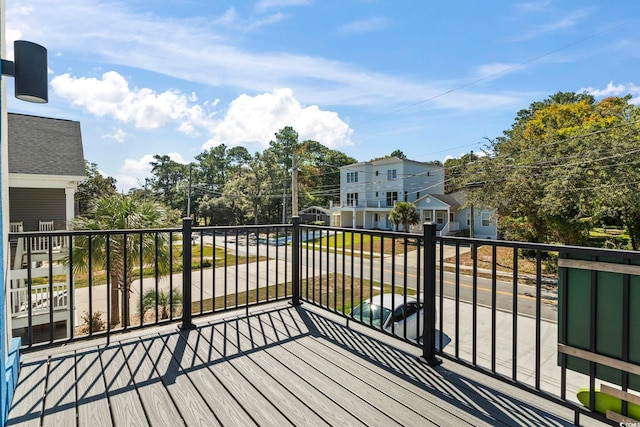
[(294, 184)]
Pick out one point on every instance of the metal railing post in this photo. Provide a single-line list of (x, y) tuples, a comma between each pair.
[(295, 260), (429, 291), (186, 275)]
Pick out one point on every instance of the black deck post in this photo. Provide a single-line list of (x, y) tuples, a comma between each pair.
[(429, 292), (186, 275), (295, 260)]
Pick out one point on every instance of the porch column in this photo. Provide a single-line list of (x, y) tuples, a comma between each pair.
[(70, 205)]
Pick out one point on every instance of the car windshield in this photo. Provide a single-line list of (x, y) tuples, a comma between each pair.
[(371, 313)]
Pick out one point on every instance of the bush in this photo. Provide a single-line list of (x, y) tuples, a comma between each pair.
[(93, 323)]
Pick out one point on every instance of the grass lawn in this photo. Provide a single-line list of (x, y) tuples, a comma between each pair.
[(372, 244), (81, 280)]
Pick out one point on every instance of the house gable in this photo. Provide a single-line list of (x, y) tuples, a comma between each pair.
[(44, 146)]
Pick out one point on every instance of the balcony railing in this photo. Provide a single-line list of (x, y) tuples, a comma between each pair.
[(367, 204), (490, 305)]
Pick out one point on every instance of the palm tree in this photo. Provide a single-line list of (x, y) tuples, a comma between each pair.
[(117, 251), (404, 213), (163, 300)]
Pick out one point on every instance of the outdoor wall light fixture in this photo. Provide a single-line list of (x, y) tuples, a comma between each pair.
[(29, 70)]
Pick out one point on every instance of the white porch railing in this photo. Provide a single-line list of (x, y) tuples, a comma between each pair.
[(41, 300), (444, 231)]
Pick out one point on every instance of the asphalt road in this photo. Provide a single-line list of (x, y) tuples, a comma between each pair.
[(395, 269)]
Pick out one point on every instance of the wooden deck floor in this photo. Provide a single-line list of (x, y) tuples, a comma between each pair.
[(278, 366)]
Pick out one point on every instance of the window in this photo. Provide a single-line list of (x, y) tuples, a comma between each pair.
[(486, 219), (391, 174), (377, 173), (352, 177), (405, 196), (417, 195), (440, 217), (376, 194), (469, 219), (392, 196), (427, 216), (352, 199)]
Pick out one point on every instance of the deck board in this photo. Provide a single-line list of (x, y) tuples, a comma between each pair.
[(391, 370), (154, 396), (60, 397), (93, 406), (206, 377), (376, 403), (236, 379), (333, 411), (280, 365), (28, 399), (165, 353), (126, 407)]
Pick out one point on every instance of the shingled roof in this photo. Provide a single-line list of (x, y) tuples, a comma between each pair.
[(44, 146)]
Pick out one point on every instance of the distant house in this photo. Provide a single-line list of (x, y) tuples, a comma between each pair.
[(46, 163), (370, 190), (315, 214), (452, 216)]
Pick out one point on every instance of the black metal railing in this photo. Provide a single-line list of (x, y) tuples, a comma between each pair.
[(504, 308)]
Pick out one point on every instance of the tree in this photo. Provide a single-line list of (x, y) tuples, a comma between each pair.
[(550, 175), (404, 213), (166, 303), (319, 177), (216, 211), (117, 212), (96, 185), (253, 194), (398, 153), (170, 182)]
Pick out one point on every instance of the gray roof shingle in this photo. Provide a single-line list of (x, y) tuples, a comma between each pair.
[(45, 146)]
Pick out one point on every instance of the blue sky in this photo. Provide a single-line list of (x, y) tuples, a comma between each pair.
[(366, 77)]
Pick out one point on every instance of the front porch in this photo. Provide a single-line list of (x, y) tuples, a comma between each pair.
[(271, 365)]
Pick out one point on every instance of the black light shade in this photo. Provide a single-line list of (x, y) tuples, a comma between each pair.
[(30, 72)]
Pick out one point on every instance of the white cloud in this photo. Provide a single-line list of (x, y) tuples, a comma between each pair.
[(263, 5), (111, 97), (255, 120), (118, 134), (567, 22), (616, 90), (133, 172), (365, 26)]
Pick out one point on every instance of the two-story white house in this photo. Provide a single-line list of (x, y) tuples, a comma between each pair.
[(370, 190)]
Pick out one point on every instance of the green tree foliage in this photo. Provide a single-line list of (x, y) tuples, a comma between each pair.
[(405, 214), (218, 165), (217, 211), (455, 172), (252, 193), (399, 154), (319, 176), (95, 186), (558, 169), (230, 186), (117, 212), (170, 182)]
